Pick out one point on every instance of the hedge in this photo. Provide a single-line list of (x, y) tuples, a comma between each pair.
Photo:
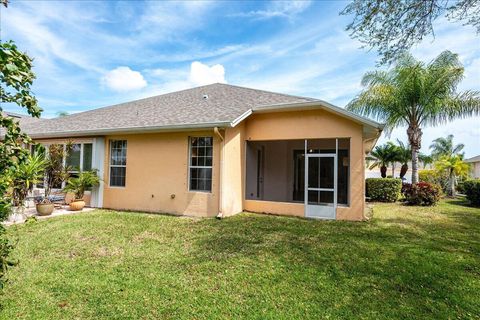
[(472, 191), (383, 189)]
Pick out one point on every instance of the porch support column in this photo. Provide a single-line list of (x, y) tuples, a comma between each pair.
[(98, 163)]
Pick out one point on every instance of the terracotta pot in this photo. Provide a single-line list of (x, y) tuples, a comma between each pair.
[(76, 205), (45, 209)]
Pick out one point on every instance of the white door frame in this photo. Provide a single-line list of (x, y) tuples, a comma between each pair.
[(321, 211)]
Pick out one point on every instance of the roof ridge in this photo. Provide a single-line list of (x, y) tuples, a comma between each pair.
[(266, 91)]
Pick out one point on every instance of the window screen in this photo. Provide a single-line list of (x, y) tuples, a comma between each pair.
[(118, 163), (200, 164)]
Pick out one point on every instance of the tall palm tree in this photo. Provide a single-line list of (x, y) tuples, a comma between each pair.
[(415, 94), (382, 156), (455, 167), (444, 147)]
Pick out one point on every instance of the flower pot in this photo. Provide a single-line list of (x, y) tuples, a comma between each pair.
[(76, 205), (45, 209)]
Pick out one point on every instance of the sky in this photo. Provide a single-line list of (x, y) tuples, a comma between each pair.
[(93, 54)]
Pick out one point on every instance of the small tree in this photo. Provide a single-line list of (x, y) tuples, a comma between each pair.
[(85, 181), (55, 171), (444, 147), (382, 156), (455, 167), (403, 155)]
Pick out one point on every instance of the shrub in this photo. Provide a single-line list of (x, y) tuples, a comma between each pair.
[(434, 177), (472, 191), (422, 194), (383, 189)]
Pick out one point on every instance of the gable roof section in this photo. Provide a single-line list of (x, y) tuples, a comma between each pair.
[(215, 105)]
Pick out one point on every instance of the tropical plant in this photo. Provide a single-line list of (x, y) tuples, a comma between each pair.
[(444, 147), (55, 170), (382, 156), (27, 174), (455, 167), (85, 181), (415, 95), (425, 159), (16, 78), (403, 155)]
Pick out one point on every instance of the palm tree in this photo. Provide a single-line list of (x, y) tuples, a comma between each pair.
[(455, 167), (425, 159), (415, 94), (444, 147), (382, 157), (403, 155)]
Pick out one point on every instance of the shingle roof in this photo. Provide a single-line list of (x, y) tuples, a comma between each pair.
[(23, 119), (201, 106)]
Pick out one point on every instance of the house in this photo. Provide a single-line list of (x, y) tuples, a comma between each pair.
[(219, 150), (475, 166)]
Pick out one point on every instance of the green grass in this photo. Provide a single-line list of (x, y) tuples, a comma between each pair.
[(405, 263)]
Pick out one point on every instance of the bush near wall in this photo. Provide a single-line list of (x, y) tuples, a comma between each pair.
[(472, 191), (383, 189), (422, 194)]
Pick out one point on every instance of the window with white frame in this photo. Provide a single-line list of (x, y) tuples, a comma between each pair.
[(200, 164), (118, 163), (79, 158)]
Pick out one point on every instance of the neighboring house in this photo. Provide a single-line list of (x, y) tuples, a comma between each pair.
[(475, 165), (219, 150)]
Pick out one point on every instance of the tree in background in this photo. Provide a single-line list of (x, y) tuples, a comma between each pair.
[(415, 95), (454, 167), (16, 78), (382, 156), (444, 147), (425, 159), (392, 27), (62, 114), (403, 155)]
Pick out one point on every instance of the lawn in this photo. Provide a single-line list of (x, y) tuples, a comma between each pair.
[(405, 263)]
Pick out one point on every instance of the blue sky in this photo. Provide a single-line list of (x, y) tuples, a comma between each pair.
[(92, 54)]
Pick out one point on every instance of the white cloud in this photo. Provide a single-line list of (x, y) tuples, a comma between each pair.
[(124, 79), (282, 9), (201, 74)]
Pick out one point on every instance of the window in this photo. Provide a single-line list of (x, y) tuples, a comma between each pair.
[(79, 158), (200, 165), (118, 163)]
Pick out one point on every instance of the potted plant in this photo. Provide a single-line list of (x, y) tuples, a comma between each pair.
[(25, 176), (55, 174), (78, 185)]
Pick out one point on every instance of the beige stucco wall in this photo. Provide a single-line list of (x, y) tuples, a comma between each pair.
[(312, 124), (233, 171), (157, 168)]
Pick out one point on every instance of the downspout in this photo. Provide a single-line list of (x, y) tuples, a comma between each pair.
[(220, 186)]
